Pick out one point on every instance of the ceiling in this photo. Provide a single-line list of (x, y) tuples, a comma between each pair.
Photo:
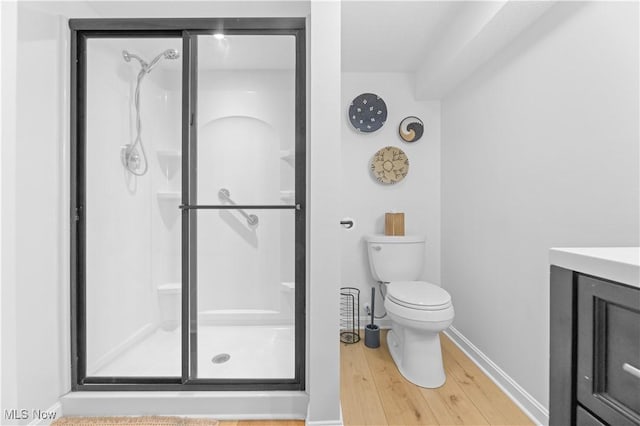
[(392, 36), (441, 42), (170, 8), (377, 36)]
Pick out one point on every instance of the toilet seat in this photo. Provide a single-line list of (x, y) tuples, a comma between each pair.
[(419, 295)]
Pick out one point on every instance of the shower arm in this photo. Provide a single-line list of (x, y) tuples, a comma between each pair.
[(224, 195)]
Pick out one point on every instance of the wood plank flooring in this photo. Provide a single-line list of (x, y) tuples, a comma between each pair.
[(374, 393)]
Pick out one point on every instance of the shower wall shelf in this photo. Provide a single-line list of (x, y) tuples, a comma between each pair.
[(169, 154), (287, 155), (287, 195), (169, 161), (168, 195), (170, 287)]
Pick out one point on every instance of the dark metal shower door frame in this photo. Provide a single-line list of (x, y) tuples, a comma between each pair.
[(188, 30)]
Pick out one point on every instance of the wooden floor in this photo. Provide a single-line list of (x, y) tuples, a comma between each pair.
[(374, 393)]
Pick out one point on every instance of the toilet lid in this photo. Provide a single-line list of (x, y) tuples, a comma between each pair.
[(418, 295)]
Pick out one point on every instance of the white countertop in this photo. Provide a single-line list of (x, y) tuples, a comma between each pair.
[(621, 264)]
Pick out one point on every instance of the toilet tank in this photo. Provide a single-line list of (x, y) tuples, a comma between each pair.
[(394, 258)]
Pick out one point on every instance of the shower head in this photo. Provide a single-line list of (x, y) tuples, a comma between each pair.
[(167, 54), (147, 67), (136, 163), (127, 57)]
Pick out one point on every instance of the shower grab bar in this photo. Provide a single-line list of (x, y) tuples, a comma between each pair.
[(225, 195)]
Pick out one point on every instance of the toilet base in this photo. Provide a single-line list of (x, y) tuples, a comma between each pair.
[(417, 356)]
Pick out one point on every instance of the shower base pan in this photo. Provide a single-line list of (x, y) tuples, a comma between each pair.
[(224, 352)]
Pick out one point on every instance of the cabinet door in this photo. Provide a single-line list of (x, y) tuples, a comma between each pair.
[(608, 376), (584, 418)]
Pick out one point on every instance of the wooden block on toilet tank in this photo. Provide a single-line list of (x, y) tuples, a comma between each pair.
[(394, 224), (388, 224), (398, 224)]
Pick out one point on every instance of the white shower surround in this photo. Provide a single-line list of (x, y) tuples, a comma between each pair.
[(246, 119), (133, 223)]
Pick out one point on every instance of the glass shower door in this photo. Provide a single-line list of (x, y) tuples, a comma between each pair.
[(188, 204), (132, 230), (245, 219)]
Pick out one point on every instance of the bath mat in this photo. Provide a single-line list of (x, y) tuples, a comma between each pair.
[(134, 421)]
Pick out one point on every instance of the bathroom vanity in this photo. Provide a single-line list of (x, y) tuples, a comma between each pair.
[(595, 336)]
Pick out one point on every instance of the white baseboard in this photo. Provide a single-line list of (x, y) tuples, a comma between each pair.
[(138, 336), (384, 323), (527, 403), (52, 413), (338, 422)]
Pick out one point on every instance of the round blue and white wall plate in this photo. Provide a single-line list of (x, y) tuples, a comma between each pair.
[(367, 112)]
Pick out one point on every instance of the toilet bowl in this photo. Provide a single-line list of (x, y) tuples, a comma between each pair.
[(418, 310), (413, 340)]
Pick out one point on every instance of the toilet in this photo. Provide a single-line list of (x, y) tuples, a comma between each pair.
[(418, 310)]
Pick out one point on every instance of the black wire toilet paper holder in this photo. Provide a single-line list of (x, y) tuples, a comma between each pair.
[(349, 315)]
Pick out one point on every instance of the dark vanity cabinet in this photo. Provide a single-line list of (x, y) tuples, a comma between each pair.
[(594, 351)]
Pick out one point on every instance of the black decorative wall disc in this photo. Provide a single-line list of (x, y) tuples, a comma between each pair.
[(411, 129), (367, 112)]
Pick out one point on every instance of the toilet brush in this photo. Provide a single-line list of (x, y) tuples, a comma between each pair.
[(372, 331)]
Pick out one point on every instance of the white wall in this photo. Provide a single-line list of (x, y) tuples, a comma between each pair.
[(365, 200), (539, 150), (31, 154), (8, 355), (323, 247)]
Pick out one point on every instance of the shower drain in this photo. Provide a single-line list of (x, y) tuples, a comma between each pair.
[(220, 358)]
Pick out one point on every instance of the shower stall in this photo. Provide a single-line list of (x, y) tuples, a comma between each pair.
[(188, 200)]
